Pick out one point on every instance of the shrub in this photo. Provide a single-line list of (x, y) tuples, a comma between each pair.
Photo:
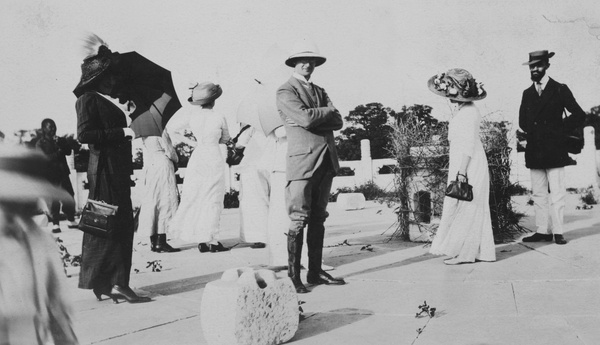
[(345, 171), (370, 190), (588, 197), (517, 189), (420, 147)]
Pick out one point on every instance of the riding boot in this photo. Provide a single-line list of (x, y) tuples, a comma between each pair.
[(163, 246), (294, 243)]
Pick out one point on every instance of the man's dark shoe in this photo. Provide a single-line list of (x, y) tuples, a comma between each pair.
[(258, 245), (559, 239), (323, 278), (537, 237)]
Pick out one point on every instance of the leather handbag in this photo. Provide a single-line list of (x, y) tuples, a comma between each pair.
[(235, 154), (98, 218), (460, 190), (573, 139)]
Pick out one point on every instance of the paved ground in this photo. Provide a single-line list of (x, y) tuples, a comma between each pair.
[(538, 293)]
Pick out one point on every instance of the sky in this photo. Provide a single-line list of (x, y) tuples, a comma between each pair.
[(377, 51)]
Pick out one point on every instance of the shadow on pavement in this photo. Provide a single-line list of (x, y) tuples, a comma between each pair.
[(181, 285), (409, 261), (363, 248), (519, 247), (323, 322)]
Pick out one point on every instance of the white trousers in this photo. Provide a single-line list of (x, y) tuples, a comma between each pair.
[(549, 192), (254, 204)]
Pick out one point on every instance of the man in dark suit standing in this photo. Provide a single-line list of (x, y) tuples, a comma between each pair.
[(541, 117), (309, 118)]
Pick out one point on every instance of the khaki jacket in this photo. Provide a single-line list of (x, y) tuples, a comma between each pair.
[(309, 121)]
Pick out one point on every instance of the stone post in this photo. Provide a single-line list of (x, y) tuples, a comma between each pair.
[(366, 163)]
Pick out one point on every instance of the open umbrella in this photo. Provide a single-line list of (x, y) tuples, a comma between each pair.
[(258, 109), (150, 87), (139, 80)]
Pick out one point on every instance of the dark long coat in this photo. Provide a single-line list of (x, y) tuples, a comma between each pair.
[(541, 117), (100, 123)]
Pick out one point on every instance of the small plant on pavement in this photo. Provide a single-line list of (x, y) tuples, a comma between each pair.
[(156, 266), (425, 309), (588, 197)]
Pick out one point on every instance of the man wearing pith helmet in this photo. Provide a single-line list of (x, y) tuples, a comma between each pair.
[(309, 118), (542, 117)]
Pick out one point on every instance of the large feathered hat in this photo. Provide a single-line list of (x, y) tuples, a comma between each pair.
[(457, 84), (97, 60)]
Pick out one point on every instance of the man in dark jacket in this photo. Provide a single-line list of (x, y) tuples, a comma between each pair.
[(541, 118), (58, 171)]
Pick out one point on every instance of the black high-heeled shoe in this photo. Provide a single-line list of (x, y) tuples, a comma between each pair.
[(101, 291), (125, 292), (217, 248), (203, 247)]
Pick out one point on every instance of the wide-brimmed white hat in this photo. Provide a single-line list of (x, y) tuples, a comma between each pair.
[(305, 48), (457, 84), (22, 176), (203, 93)]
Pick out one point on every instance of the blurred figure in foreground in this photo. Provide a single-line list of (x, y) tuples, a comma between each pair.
[(56, 149), (33, 305)]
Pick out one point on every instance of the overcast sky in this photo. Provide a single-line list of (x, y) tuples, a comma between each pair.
[(377, 51)]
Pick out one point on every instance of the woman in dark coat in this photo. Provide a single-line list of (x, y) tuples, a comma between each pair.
[(106, 262)]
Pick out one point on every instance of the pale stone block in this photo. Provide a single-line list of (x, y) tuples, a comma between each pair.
[(249, 307), (351, 201), (423, 232)]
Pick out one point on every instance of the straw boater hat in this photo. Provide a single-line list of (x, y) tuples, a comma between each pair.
[(537, 56), (204, 93), (305, 49), (457, 84), (22, 175)]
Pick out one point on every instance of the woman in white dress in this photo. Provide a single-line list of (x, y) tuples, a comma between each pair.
[(465, 230), (161, 197), (198, 216)]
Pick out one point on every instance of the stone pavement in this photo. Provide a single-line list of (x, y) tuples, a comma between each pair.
[(538, 293)]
